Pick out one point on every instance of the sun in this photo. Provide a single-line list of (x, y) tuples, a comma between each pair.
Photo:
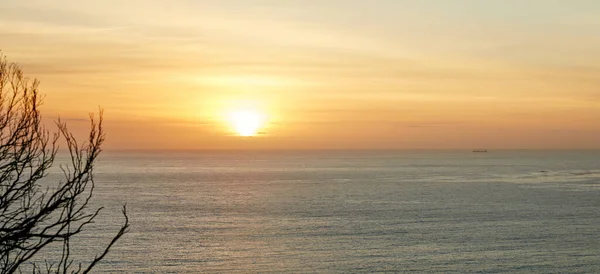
[(246, 122)]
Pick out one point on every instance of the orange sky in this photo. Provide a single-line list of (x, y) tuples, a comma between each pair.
[(326, 74)]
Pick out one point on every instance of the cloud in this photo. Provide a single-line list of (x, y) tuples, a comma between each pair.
[(388, 67)]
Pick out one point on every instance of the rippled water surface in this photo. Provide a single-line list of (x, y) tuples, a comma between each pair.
[(341, 212)]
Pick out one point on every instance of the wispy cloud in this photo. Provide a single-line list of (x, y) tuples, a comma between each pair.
[(385, 66)]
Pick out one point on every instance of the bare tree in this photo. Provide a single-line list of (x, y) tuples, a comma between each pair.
[(35, 214)]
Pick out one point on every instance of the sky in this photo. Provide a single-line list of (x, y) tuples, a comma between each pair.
[(336, 74)]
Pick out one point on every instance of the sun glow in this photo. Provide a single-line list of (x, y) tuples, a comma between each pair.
[(246, 122)]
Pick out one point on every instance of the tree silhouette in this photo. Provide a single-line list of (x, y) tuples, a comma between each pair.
[(35, 214)]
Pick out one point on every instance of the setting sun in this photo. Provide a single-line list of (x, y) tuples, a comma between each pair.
[(300, 136), (246, 122)]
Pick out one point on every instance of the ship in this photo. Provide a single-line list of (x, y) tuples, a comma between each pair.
[(480, 150)]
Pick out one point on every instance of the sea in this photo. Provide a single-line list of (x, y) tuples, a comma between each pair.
[(405, 211)]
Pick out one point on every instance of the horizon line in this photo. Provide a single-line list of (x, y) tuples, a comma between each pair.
[(348, 149)]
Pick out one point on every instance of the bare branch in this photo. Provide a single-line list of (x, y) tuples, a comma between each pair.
[(33, 216)]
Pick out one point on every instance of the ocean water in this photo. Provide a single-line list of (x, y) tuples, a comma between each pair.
[(349, 212)]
